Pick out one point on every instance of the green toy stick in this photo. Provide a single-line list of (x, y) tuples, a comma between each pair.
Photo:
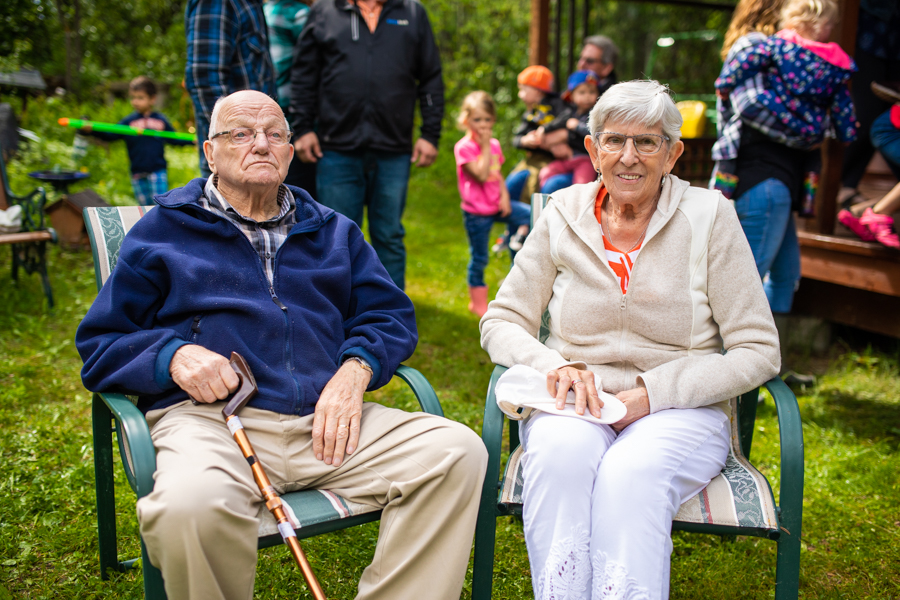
[(126, 130)]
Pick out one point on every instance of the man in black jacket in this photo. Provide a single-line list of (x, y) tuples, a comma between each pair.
[(359, 67)]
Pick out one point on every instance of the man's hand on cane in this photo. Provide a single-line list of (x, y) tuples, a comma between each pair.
[(205, 375)]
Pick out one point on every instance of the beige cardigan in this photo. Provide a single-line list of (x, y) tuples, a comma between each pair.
[(694, 291)]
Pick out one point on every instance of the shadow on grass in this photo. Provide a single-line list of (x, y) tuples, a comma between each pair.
[(865, 418)]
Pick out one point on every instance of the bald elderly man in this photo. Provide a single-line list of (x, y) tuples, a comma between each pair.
[(241, 262)]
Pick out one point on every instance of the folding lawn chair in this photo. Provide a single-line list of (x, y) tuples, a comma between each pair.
[(115, 415), (739, 501)]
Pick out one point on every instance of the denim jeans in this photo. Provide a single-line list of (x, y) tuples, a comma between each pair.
[(765, 214), (515, 182), (348, 182), (886, 138), (202, 126), (478, 229), (557, 182)]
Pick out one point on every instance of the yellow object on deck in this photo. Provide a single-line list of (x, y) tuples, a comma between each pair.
[(694, 114)]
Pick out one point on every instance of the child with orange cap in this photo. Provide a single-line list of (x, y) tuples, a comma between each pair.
[(542, 105)]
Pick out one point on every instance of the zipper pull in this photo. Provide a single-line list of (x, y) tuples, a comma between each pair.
[(275, 299), (622, 305)]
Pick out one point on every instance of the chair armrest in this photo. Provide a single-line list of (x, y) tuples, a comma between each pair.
[(791, 439), (135, 442), (425, 394), (492, 436)]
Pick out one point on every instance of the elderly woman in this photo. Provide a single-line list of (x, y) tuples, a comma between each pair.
[(673, 337)]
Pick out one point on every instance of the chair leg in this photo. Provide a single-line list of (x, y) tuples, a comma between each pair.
[(485, 539), (153, 581), (787, 567), (15, 263), (45, 280), (101, 419)]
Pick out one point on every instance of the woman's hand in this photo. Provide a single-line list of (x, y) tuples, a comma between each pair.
[(559, 382), (637, 403)]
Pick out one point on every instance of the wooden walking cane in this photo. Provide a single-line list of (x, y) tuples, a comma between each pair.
[(245, 392)]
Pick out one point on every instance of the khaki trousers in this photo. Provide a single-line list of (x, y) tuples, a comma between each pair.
[(200, 522)]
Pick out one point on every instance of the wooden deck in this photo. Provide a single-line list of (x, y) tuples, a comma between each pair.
[(846, 280)]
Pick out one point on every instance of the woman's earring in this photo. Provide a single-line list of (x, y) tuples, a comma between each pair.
[(662, 180)]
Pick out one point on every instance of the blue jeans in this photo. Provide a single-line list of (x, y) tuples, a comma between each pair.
[(886, 138), (765, 214), (557, 182), (350, 181), (515, 182), (202, 126), (478, 229)]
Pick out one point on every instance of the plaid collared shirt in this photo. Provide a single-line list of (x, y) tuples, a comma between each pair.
[(266, 237), (741, 107), (227, 51)]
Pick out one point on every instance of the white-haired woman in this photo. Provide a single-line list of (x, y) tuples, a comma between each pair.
[(647, 280)]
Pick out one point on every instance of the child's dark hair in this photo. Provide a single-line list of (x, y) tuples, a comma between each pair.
[(142, 83), (475, 100)]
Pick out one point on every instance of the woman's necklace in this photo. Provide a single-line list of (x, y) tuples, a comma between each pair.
[(609, 232)]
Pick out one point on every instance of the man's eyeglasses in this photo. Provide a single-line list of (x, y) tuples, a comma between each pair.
[(589, 61), (644, 143), (245, 135)]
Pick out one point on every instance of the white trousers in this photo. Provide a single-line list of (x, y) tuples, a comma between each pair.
[(598, 507)]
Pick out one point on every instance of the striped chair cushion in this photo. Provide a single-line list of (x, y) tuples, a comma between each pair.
[(738, 497), (107, 227), (313, 507)]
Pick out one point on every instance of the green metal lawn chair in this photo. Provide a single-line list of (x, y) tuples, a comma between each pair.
[(739, 501), (115, 415)]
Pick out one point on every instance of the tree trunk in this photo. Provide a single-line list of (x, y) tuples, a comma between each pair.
[(69, 13)]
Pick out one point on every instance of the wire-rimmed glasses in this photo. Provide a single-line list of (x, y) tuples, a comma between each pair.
[(644, 143), (245, 135)]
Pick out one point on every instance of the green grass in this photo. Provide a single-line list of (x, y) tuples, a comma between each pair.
[(48, 545)]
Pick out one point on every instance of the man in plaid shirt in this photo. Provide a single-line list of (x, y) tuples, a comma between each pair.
[(227, 51)]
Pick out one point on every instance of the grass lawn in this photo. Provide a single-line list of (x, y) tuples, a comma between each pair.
[(48, 545)]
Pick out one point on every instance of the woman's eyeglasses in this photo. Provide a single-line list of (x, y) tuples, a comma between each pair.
[(644, 143), (245, 135)]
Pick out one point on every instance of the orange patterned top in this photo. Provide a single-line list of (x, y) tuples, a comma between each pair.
[(620, 262)]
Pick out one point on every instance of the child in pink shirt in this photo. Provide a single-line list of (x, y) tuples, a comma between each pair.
[(485, 199)]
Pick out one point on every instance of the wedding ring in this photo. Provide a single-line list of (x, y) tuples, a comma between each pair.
[(574, 381), (342, 426)]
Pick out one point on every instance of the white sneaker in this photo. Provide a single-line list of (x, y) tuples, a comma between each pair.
[(516, 241)]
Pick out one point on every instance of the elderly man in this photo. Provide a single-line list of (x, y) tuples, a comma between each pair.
[(599, 55), (241, 262)]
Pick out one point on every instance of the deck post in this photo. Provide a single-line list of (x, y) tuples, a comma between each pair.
[(833, 151), (539, 34)]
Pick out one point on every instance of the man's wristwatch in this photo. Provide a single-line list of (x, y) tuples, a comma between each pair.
[(362, 363)]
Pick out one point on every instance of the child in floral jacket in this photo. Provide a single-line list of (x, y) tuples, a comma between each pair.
[(805, 96)]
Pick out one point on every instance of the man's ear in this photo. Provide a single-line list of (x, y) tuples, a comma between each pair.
[(208, 153)]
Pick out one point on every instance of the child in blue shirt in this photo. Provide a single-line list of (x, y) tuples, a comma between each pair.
[(146, 154)]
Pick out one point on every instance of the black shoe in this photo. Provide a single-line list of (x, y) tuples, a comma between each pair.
[(798, 379), (516, 241)]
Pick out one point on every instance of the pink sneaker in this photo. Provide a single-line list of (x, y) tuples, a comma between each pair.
[(882, 227), (852, 223)]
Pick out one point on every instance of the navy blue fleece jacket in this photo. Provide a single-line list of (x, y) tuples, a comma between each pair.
[(188, 276)]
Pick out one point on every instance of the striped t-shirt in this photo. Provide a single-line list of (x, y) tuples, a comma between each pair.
[(619, 261)]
